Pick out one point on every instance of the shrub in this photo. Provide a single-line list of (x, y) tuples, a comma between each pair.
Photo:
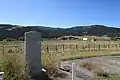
[(14, 67), (88, 66), (95, 68), (49, 62)]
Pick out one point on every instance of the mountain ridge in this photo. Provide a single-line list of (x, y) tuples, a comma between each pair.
[(16, 31)]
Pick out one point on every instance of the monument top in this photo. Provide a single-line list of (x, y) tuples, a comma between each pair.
[(1, 72), (32, 32), (33, 35)]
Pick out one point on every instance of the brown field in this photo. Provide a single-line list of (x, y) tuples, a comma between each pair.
[(69, 50)]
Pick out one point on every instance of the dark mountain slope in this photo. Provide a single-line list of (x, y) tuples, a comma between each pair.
[(16, 31)]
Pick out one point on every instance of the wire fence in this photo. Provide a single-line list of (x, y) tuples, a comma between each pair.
[(80, 47), (54, 48)]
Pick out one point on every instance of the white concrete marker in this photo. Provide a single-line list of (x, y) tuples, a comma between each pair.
[(33, 52), (1, 75)]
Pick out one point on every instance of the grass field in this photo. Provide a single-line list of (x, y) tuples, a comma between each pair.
[(66, 45), (55, 46), (49, 60), (75, 54), (75, 42), (66, 49)]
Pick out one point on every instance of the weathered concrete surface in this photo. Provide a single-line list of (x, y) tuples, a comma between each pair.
[(33, 52)]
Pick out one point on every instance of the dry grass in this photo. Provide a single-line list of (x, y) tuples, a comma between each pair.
[(75, 42), (95, 68), (49, 62), (89, 66), (14, 67)]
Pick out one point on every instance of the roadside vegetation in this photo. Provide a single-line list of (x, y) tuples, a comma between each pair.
[(49, 62), (95, 68), (100, 74), (13, 66)]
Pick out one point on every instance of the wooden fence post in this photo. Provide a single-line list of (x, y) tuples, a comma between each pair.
[(76, 47), (48, 48), (63, 47), (108, 46), (70, 47), (73, 71), (89, 46), (116, 46), (119, 46), (56, 48), (99, 47), (83, 47)]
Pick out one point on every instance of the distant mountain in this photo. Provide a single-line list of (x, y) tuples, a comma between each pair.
[(95, 30), (16, 31)]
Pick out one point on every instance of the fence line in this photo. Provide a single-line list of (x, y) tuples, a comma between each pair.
[(63, 47), (11, 49), (80, 47)]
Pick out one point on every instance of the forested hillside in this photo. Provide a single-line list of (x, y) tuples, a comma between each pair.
[(16, 31)]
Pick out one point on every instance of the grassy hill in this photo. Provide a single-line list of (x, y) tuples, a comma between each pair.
[(16, 31)]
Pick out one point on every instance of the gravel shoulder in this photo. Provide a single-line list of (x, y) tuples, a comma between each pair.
[(110, 64)]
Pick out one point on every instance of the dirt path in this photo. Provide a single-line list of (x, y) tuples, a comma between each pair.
[(110, 64)]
